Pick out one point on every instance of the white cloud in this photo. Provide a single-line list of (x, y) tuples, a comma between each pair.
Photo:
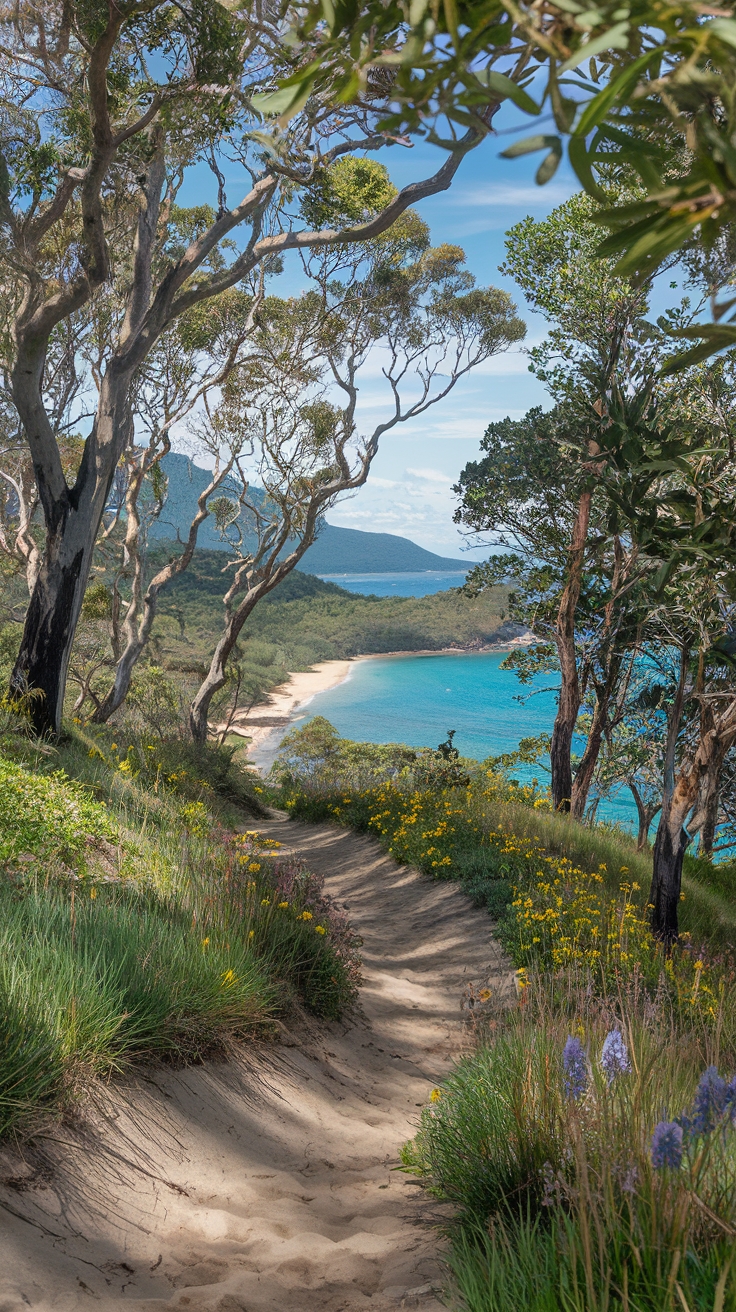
[(430, 475), (515, 197), (383, 482)]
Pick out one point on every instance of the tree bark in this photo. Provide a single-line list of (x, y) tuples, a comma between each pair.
[(73, 517), (589, 760), (217, 673), (705, 817), (645, 814), (569, 698), (669, 851), (142, 610)]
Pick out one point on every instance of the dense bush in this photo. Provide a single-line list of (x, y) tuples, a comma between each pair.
[(46, 818)]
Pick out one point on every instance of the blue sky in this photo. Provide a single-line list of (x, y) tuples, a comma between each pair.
[(409, 489)]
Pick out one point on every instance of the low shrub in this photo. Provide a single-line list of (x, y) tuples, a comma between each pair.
[(46, 819)]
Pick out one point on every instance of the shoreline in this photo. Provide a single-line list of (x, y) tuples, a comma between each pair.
[(287, 698), (261, 723)]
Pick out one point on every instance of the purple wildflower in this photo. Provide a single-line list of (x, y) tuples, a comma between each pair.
[(667, 1145), (615, 1056), (709, 1103), (575, 1067)]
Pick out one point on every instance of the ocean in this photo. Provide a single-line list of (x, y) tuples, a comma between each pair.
[(417, 699), (399, 585)]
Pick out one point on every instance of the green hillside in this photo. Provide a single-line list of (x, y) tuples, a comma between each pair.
[(336, 551), (350, 551), (307, 620)]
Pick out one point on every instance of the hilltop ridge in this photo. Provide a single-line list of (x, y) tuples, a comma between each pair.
[(337, 550)]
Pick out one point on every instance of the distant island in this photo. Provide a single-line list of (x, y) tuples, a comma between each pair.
[(336, 551)]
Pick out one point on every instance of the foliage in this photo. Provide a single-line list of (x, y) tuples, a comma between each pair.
[(47, 820), (645, 93), (143, 929), (560, 1199)]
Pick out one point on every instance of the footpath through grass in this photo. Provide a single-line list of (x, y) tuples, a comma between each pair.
[(588, 1144), (142, 916)]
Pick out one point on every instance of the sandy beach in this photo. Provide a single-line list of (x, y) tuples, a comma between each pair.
[(265, 725), (286, 699)]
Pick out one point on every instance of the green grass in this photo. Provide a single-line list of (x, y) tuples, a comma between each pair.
[(136, 923), (558, 1204), (88, 986)]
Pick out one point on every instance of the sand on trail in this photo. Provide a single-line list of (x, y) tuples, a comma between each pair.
[(266, 1183)]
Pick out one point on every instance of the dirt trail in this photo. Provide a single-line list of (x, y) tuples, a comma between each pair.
[(266, 1184)]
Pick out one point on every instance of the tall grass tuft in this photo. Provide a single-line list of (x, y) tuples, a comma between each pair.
[(136, 925), (116, 977), (562, 1200)]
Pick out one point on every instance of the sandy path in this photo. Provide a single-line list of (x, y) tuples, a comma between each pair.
[(265, 1185)]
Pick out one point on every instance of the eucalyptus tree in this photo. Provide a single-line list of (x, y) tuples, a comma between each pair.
[(413, 307), (189, 365), (644, 90), (108, 111), (524, 497)]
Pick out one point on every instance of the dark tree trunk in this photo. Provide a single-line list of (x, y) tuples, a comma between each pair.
[(707, 836), (50, 623), (589, 760), (568, 705), (664, 896), (73, 517)]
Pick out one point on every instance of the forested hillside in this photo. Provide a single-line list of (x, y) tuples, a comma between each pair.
[(336, 551), (306, 620)]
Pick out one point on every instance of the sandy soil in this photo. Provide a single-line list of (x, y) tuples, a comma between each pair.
[(266, 1184), (285, 700)]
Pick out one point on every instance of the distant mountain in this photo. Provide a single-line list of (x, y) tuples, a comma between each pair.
[(350, 551), (336, 551), (186, 481)]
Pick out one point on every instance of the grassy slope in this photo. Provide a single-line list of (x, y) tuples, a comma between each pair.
[(134, 924)]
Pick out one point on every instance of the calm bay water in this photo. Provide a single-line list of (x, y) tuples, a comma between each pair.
[(416, 699), (399, 585)]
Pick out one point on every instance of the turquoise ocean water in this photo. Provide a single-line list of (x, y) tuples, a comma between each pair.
[(399, 585), (416, 699)]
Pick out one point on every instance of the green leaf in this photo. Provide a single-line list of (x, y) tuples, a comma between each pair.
[(580, 161), (658, 243), (715, 337), (596, 111), (286, 102), (529, 145), (417, 10), (725, 28), (549, 165), (506, 89), (615, 38)]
